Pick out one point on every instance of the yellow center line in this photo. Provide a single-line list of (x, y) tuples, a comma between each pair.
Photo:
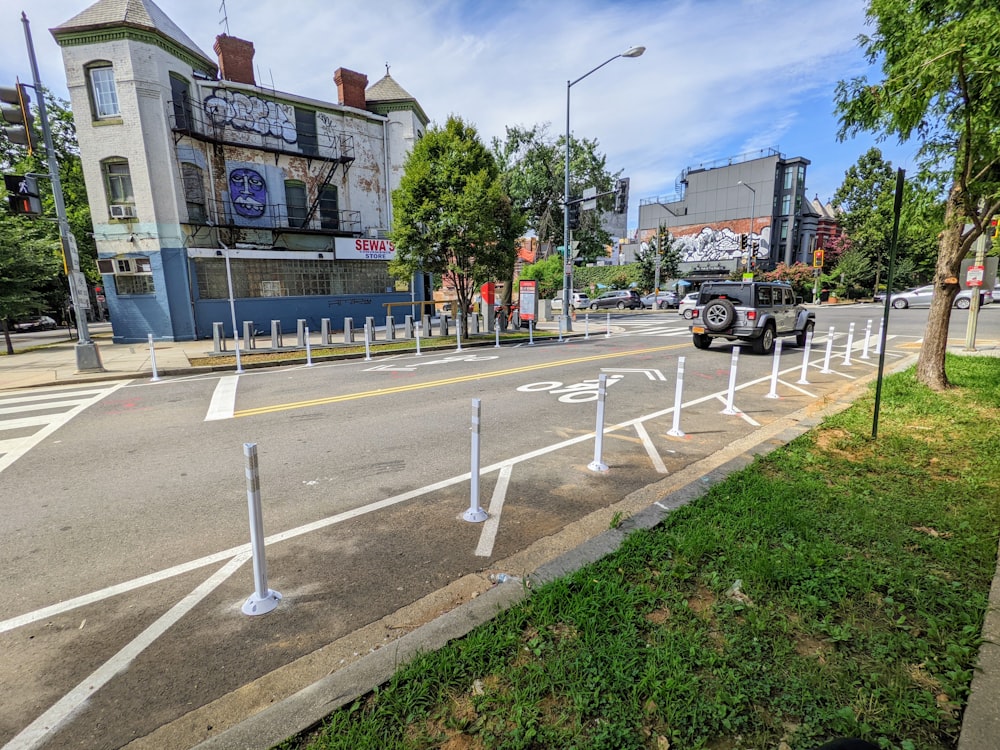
[(445, 381)]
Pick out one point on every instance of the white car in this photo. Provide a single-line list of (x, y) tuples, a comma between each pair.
[(577, 301), (688, 303)]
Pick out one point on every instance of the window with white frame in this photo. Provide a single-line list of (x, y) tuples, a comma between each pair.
[(103, 92)]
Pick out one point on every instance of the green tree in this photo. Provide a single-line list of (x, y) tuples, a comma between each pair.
[(669, 258), (535, 163), (799, 275), (941, 68), (14, 159), (851, 277), (865, 200), (548, 272), (452, 215), (28, 259)]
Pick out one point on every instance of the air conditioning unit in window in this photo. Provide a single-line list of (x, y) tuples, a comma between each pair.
[(122, 211), (376, 233)]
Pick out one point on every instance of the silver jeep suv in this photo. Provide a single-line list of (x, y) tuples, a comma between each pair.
[(754, 311)]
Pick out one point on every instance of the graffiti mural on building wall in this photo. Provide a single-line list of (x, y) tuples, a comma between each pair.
[(248, 192), (706, 243), (249, 114)]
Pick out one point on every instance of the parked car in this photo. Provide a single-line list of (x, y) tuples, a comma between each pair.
[(577, 300), (920, 296), (754, 311), (36, 323), (687, 303), (662, 301), (620, 298)]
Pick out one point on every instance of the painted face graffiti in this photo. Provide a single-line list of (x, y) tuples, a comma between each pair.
[(248, 192)]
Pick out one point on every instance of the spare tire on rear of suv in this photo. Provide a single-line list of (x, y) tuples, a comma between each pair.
[(718, 315)]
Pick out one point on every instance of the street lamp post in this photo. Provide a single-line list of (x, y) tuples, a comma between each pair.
[(567, 260), (753, 215)]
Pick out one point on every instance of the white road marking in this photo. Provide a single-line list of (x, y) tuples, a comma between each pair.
[(35, 733), (136, 583), (488, 535), (739, 413), (650, 449), (223, 399), (14, 448)]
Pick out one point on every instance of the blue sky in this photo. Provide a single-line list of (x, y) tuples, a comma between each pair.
[(719, 77)]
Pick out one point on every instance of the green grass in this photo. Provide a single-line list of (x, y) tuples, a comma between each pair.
[(863, 567)]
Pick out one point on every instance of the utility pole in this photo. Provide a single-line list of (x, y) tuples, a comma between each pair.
[(976, 291), (88, 359)]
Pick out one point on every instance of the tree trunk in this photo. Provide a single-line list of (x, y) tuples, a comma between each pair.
[(930, 364)]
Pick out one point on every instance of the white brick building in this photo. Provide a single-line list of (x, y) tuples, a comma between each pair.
[(187, 160)]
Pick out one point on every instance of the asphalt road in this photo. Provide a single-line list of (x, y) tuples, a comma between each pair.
[(125, 521)]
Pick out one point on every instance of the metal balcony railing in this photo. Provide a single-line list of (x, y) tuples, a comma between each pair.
[(251, 122)]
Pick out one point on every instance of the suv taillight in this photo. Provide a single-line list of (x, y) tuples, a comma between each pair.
[(751, 315), (694, 313)]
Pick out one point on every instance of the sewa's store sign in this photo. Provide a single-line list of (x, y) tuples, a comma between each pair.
[(363, 248)]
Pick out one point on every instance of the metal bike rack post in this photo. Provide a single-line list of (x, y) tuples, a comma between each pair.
[(263, 599), (602, 390), (300, 332)]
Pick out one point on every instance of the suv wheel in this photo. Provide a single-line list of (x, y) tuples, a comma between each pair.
[(801, 336), (764, 344), (719, 314), (963, 303), (621, 305), (899, 304), (702, 341), (688, 314), (593, 305)]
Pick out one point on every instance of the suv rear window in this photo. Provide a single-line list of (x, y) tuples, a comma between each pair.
[(738, 294)]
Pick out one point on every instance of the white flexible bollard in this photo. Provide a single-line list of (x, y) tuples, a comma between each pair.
[(602, 390), (561, 319), (607, 327), (152, 360), (731, 394), (496, 336), (531, 332), (878, 339), (773, 393), (805, 358), (829, 350), (475, 514), (458, 333), (586, 325), (418, 327), (263, 599), (675, 430), (368, 345), (868, 338), (309, 353), (850, 345)]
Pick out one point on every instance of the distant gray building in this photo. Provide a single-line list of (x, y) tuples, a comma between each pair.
[(760, 195)]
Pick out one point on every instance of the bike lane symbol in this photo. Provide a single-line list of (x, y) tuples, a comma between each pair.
[(577, 393)]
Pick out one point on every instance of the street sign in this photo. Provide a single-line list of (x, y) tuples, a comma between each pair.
[(80, 290), (527, 299), (590, 202), (974, 276)]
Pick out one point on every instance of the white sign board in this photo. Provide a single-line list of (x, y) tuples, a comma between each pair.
[(527, 299), (363, 248), (79, 290)]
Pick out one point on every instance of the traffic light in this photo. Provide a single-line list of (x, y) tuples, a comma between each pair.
[(621, 196), (23, 195), (15, 110), (994, 232), (818, 257), (574, 215), (743, 242)]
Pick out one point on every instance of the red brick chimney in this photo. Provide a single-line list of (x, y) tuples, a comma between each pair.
[(235, 58), (351, 88)]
